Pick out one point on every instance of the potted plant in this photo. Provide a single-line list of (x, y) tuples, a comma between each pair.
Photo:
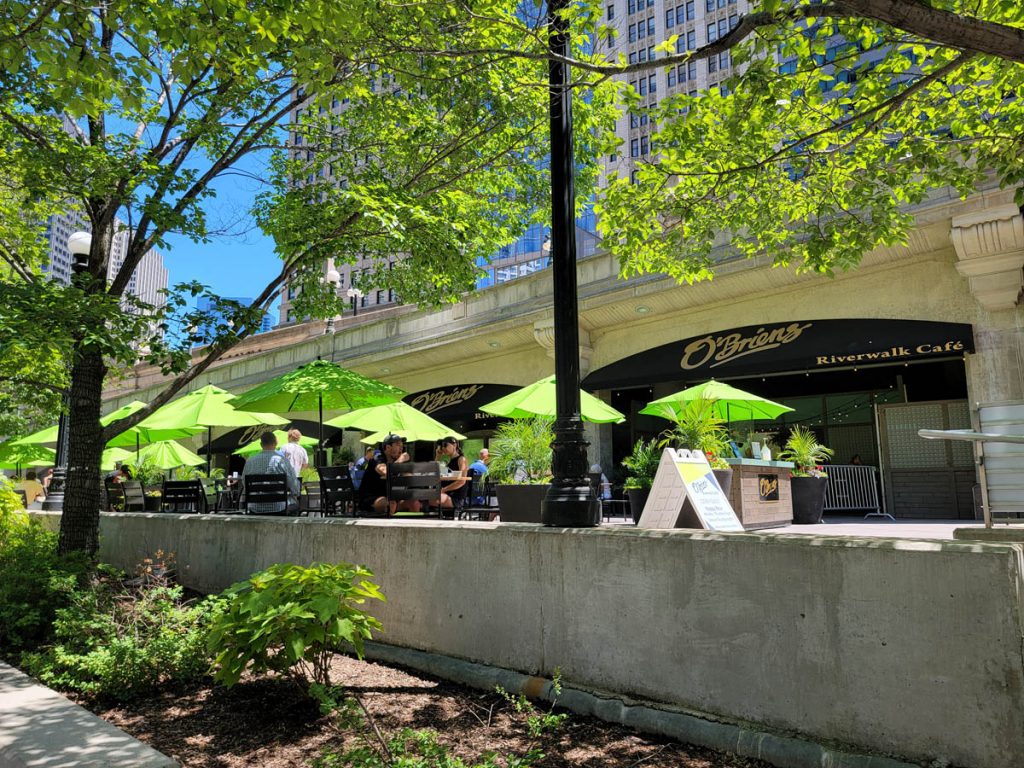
[(809, 482), (521, 467), (699, 428), (151, 477), (641, 466)]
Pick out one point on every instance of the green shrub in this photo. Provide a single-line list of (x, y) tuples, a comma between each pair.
[(34, 580), (120, 641), (291, 619)]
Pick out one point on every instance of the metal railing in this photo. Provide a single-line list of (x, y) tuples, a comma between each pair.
[(851, 488)]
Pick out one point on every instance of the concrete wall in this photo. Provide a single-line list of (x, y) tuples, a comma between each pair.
[(902, 647)]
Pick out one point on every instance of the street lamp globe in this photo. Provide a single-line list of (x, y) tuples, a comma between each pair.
[(333, 277), (79, 243)]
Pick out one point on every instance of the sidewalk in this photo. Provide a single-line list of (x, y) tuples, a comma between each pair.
[(41, 729)]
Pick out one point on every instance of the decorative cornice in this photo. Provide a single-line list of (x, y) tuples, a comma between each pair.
[(990, 247), (544, 334)]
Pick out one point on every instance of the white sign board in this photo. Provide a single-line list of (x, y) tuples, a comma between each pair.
[(686, 475)]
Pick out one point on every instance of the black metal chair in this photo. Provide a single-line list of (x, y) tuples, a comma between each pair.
[(267, 489), (182, 495), (337, 493), (211, 493), (134, 495), (478, 504), (414, 481)]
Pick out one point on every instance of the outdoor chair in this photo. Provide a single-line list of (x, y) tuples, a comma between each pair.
[(115, 496), (478, 504), (414, 481), (211, 493), (310, 498), (182, 496), (267, 489), (337, 494), (134, 495)]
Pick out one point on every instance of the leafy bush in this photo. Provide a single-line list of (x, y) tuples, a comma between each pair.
[(34, 580), (291, 619), (804, 450), (699, 427), (119, 641), (642, 464), (521, 451)]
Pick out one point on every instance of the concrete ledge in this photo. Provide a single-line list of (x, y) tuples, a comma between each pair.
[(41, 729), (898, 647), (996, 534), (688, 728)]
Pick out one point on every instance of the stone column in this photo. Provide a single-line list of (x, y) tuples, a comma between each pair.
[(989, 247)]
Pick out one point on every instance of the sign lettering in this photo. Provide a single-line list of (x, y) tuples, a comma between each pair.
[(733, 345), (768, 487), (436, 399)]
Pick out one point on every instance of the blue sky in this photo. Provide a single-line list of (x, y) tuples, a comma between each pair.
[(240, 259)]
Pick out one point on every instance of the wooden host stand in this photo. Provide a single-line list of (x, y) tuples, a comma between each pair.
[(756, 502)]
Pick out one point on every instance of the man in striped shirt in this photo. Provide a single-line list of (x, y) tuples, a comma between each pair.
[(269, 461)]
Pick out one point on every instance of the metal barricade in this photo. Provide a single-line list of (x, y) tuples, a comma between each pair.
[(853, 488)]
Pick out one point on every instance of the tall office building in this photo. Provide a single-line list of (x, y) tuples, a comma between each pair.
[(205, 304), (149, 280), (643, 24)]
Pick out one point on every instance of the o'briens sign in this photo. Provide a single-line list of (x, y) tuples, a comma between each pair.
[(686, 475)]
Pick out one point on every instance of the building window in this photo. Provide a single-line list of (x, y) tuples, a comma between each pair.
[(611, 38), (712, 64), (634, 120), (634, 148), (723, 27), (682, 73), (691, 10), (644, 118), (671, 78), (651, 27), (712, 32), (632, 6), (290, 317), (734, 21), (651, 53), (611, 12), (723, 60), (691, 70), (709, 6), (632, 33), (634, 177), (680, 45), (644, 145), (642, 85), (721, 3), (380, 297), (612, 157), (643, 54), (670, 18), (652, 84), (632, 57), (641, 30)]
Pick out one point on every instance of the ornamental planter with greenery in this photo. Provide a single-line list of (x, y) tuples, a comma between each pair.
[(699, 428), (521, 468), (809, 482), (641, 467)]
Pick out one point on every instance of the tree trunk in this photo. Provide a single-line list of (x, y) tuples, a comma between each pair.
[(80, 523)]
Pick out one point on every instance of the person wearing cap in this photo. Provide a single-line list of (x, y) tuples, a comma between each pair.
[(373, 490)]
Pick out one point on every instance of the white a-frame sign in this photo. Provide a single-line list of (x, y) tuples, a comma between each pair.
[(686, 475)]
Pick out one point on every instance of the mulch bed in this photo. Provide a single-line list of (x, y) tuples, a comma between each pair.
[(267, 722)]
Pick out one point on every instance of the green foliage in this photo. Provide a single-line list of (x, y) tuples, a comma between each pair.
[(197, 473), (291, 619), (120, 642), (34, 581), (698, 427), (815, 162), (803, 449), (146, 471), (521, 451), (642, 464)]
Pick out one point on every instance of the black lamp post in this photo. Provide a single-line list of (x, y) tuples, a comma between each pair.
[(79, 244), (570, 501)]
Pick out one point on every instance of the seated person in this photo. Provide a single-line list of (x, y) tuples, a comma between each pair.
[(373, 488), (269, 461), (33, 488), (453, 487)]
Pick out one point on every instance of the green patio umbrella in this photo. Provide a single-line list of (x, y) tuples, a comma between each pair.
[(394, 418), (168, 454), (317, 385), (114, 456), (130, 438), (282, 438), (15, 457), (730, 403), (538, 399), (207, 407)]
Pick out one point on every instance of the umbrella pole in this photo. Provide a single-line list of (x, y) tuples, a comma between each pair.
[(320, 437), (209, 453)]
